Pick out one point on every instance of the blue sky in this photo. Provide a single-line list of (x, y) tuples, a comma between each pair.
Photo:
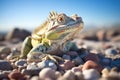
[(31, 13)]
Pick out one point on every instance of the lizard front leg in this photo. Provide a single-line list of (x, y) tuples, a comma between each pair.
[(26, 47)]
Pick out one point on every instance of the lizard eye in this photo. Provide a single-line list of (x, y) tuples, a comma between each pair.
[(61, 18)]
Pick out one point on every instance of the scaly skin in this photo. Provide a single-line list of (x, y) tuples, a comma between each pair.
[(52, 37)]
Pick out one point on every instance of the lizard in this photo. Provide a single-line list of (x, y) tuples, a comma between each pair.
[(52, 38)]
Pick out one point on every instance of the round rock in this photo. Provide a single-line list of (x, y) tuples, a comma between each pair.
[(16, 75), (91, 56), (21, 62), (47, 73), (91, 74), (5, 65), (91, 65), (47, 63), (69, 75), (67, 57)]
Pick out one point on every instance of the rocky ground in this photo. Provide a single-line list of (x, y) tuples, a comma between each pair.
[(97, 58)]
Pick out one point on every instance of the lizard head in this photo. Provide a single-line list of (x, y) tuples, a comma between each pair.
[(61, 25)]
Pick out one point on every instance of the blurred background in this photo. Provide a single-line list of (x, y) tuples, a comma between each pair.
[(98, 15)]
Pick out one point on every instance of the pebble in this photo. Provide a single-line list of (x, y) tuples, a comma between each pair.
[(105, 61), (32, 69), (67, 57), (35, 78), (21, 63), (32, 66), (105, 72), (76, 69), (47, 63), (5, 65), (115, 63), (91, 65), (67, 65), (47, 73), (72, 54), (91, 74), (30, 72), (78, 60), (69, 75), (79, 76), (91, 56), (16, 75), (110, 52)]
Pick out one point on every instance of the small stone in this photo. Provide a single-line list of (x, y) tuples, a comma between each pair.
[(91, 65), (72, 54), (16, 75), (106, 61), (78, 60), (67, 57), (115, 63), (76, 69), (30, 72), (91, 74), (110, 52), (35, 78), (47, 63), (5, 65), (91, 56), (79, 76), (58, 74), (105, 72), (69, 75), (47, 73), (21, 62), (67, 65), (32, 66)]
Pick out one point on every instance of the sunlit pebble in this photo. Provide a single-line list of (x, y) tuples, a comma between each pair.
[(105, 72), (91, 65), (31, 66), (69, 75), (47, 63), (47, 73), (35, 78), (91, 74), (57, 74)]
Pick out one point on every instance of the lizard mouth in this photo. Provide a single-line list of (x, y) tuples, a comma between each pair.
[(69, 27)]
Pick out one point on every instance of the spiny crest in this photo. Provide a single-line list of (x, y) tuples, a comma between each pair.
[(53, 14)]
